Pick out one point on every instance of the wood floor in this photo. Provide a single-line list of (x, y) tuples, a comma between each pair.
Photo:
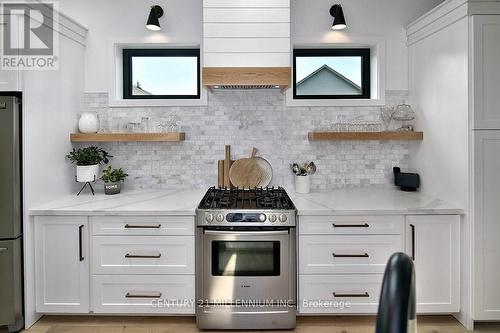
[(95, 324)]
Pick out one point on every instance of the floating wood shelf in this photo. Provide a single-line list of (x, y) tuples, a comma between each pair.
[(382, 136), (128, 137)]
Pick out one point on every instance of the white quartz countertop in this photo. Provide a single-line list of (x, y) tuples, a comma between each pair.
[(184, 202), (139, 202), (371, 202)]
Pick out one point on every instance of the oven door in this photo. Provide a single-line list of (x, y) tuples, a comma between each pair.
[(246, 265)]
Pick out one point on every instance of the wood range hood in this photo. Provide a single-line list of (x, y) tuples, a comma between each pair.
[(246, 44), (247, 77)]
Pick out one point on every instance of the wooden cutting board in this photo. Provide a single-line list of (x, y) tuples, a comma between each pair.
[(220, 175), (246, 172)]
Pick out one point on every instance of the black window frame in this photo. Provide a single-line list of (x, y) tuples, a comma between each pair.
[(128, 54), (364, 53)]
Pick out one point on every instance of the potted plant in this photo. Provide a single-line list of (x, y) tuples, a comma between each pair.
[(87, 162), (112, 180)]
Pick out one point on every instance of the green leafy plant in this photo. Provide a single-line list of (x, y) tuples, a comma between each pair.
[(110, 175), (88, 156)]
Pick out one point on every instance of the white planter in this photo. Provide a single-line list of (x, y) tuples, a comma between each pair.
[(88, 123), (87, 173), (302, 184)]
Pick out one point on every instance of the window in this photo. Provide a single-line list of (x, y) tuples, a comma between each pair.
[(331, 73), (161, 73)]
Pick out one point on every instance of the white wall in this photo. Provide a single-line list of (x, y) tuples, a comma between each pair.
[(112, 21), (311, 20), (116, 20), (52, 101)]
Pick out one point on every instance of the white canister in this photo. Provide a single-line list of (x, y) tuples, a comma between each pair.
[(88, 123), (302, 184), (87, 173)]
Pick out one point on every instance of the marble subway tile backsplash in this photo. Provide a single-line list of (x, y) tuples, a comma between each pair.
[(246, 119)]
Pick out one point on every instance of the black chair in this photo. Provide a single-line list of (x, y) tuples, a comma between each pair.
[(397, 306)]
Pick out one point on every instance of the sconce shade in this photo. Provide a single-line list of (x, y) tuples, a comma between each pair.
[(338, 17), (153, 20)]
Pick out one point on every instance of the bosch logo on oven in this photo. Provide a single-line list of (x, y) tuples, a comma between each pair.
[(246, 286)]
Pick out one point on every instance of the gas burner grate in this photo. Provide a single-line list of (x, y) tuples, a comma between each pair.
[(238, 198)]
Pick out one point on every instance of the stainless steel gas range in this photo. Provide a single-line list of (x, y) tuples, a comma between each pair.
[(246, 259)]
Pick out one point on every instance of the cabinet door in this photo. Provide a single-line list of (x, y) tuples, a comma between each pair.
[(486, 212), (434, 244), (62, 264), (486, 71)]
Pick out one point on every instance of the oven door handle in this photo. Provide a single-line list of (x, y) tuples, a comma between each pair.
[(241, 233)]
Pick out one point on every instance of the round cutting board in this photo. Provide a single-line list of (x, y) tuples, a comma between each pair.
[(267, 172), (246, 172)]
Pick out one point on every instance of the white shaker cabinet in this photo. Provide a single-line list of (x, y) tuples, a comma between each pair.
[(486, 71), (62, 264), (433, 242), (487, 225)]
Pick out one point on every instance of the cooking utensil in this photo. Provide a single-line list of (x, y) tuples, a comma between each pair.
[(245, 172), (267, 171), (311, 168), (296, 169)]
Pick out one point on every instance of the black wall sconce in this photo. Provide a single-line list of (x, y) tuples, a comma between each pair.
[(154, 15), (338, 17)]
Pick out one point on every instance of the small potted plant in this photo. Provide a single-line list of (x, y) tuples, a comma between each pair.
[(87, 162), (112, 180)]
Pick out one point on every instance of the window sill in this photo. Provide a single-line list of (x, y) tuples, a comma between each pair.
[(291, 102), (117, 103)]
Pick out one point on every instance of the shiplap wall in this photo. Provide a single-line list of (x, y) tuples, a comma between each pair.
[(246, 33)]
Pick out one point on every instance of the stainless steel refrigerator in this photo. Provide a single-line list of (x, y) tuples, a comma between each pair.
[(11, 277)]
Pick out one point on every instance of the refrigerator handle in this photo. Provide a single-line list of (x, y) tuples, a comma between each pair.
[(80, 241)]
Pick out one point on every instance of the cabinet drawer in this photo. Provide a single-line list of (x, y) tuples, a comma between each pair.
[(143, 294), (143, 225), (356, 294), (347, 254), (143, 255), (351, 225)]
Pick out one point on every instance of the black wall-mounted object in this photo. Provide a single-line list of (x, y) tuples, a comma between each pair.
[(153, 19), (338, 17), (406, 181)]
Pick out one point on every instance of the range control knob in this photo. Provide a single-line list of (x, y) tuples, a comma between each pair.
[(220, 217), (283, 218), (262, 217), (209, 217), (273, 218)]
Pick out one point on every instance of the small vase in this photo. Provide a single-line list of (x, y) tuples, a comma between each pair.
[(112, 188), (87, 173), (303, 184), (88, 123)]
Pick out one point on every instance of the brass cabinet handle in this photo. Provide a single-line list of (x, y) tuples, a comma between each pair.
[(80, 243), (364, 255), (140, 256), (362, 225), (152, 295), (412, 242), (137, 226), (365, 294)]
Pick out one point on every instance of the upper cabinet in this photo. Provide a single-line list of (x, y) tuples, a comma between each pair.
[(486, 71)]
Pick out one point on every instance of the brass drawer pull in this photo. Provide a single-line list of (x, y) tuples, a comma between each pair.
[(363, 225), (365, 294), (136, 226), (152, 295), (364, 255), (139, 256)]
